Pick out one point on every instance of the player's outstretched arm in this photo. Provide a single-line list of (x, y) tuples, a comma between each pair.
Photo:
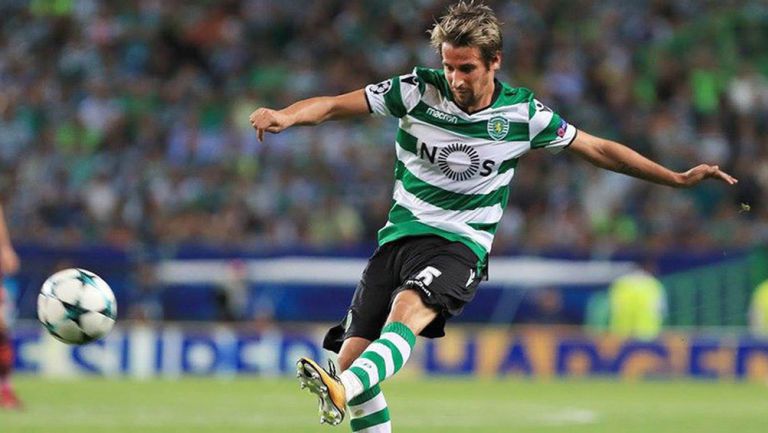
[(309, 112), (619, 158)]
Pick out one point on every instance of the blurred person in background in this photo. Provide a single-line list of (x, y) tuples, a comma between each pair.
[(637, 304), (758, 311), (232, 293), (9, 264), (146, 303), (461, 133), (543, 306)]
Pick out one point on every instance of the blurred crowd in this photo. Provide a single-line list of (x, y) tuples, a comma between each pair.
[(127, 122)]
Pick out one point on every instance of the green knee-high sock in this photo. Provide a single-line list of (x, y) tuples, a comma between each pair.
[(383, 358), (368, 412)]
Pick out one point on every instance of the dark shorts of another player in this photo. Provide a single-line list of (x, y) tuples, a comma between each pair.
[(442, 272)]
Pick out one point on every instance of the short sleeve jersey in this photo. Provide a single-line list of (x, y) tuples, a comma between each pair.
[(453, 169)]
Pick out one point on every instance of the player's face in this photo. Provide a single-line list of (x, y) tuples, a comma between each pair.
[(470, 79)]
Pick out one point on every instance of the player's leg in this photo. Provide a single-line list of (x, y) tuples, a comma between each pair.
[(389, 353), (369, 363), (365, 364), (6, 363), (362, 324), (439, 278), (448, 270), (8, 397), (368, 412)]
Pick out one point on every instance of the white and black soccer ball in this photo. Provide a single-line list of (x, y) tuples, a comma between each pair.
[(76, 306)]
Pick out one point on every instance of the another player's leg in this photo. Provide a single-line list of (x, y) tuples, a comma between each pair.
[(8, 398)]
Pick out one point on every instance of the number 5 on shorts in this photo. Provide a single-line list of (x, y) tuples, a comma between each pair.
[(428, 274)]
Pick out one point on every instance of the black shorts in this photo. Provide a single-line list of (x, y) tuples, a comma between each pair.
[(443, 272)]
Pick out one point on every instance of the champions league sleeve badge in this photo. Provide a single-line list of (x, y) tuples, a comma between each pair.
[(380, 88)]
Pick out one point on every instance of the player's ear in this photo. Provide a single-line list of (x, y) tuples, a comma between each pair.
[(496, 61)]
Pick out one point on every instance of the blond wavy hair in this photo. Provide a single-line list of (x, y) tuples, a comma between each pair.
[(469, 24)]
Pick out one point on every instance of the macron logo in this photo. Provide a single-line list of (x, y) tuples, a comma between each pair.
[(442, 116)]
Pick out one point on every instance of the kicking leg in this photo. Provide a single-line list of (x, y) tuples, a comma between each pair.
[(387, 355), (368, 411), (379, 360), (421, 303), (325, 384)]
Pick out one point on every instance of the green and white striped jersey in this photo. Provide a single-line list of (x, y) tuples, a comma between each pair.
[(453, 169)]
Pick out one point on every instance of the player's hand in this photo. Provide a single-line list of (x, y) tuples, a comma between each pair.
[(9, 261), (265, 119), (705, 171)]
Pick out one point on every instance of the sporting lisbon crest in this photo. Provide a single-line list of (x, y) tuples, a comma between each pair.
[(498, 128)]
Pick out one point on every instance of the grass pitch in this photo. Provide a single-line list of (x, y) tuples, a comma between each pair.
[(417, 406)]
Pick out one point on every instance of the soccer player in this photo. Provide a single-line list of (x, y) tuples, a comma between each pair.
[(758, 311), (9, 264), (461, 133)]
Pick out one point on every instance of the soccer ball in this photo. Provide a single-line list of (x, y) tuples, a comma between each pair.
[(76, 306)]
